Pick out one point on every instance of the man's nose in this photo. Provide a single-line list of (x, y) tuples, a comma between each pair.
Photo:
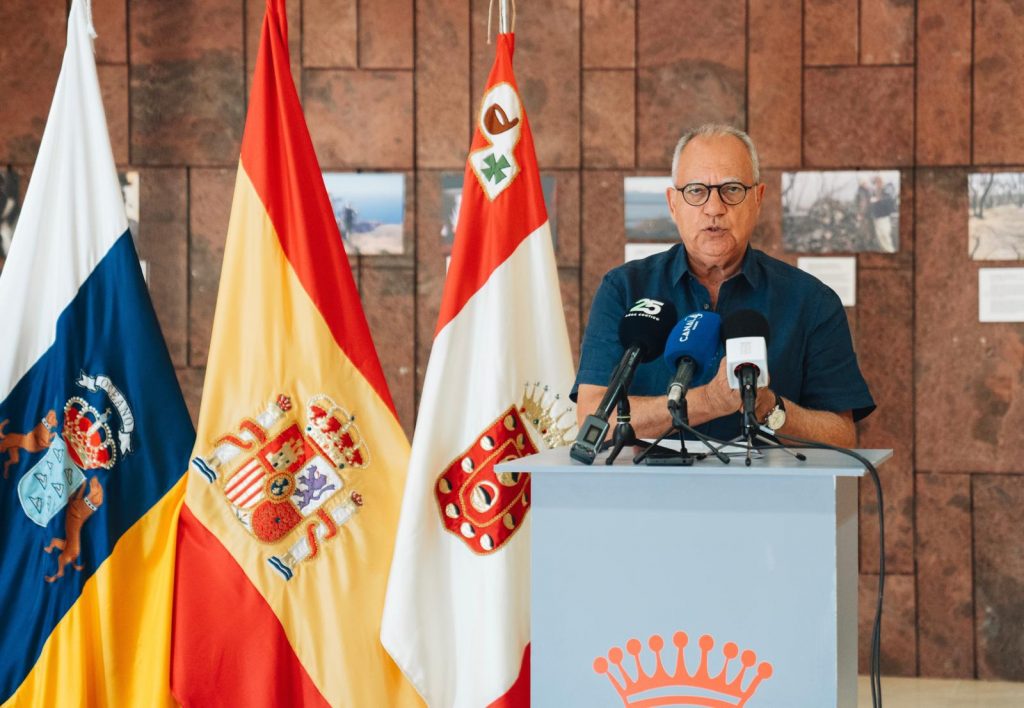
[(714, 206)]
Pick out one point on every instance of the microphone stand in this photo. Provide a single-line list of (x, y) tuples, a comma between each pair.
[(752, 432), (624, 434), (684, 458)]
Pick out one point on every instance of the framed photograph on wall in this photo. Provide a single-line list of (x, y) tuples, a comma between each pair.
[(369, 208), (841, 212), (995, 216)]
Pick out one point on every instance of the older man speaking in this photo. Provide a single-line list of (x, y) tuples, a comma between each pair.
[(816, 389)]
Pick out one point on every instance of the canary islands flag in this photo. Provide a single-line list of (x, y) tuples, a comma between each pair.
[(94, 433), (292, 503)]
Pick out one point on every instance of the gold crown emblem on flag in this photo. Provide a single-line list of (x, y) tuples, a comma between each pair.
[(683, 685), (539, 411)]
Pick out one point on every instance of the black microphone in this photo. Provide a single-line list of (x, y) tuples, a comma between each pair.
[(691, 346), (642, 331), (746, 353)]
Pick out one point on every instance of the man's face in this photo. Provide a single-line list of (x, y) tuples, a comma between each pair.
[(715, 233)]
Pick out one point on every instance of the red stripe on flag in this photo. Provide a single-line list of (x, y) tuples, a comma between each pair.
[(488, 232), (228, 646), (519, 695), (278, 157)]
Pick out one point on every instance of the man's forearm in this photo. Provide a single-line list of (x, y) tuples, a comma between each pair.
[(820, 426), (649, 415)]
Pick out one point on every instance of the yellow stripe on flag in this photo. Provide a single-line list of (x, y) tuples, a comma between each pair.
[(113, 646), (272, 340)]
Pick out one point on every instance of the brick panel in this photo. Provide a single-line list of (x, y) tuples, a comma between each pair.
[(210, 194), (774, 74), (984, 401), (886, 359), (360, 119), (608, 33), (385, 34), (29, 65), (830, 32), (110, 19), (944, 593), (330, 34), (999, 575), (609, 132), (388, 301), (886, 32), (163, 243), (998, 82), (114, 90), (442, 84), (943, 82), (899, 628), (859, 117), (187, 95)]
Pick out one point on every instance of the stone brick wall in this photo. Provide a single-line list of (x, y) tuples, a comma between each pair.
[(932, 88)]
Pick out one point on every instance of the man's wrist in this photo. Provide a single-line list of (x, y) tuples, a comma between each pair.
[(765, 404)]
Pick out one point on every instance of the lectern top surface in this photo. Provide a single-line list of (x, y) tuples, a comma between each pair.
[(819, 463)]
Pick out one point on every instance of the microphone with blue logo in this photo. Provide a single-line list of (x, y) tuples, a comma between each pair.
[(690, 349)]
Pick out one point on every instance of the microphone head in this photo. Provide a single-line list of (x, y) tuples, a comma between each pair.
[(695, 336), (646, 326), (745, 323), (746, 344)]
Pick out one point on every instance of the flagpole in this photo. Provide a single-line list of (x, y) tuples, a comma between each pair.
[(505, 16)]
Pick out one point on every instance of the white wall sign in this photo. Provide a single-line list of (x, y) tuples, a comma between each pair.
[(1001, 294), (839, 273)]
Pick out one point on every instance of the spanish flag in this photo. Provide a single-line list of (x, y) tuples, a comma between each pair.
[(294, 487), (94, 433), (457, 618)]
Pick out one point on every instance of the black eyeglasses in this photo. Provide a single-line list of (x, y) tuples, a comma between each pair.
[(731, 193)]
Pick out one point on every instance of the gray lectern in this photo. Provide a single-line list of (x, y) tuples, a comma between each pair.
[(711, 585)]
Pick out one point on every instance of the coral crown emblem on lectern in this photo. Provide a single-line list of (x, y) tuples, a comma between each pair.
[(662, 687)]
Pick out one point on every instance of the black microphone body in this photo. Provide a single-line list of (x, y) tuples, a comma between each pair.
[(747, 375), (642, 332)]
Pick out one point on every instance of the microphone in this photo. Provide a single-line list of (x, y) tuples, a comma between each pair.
[(642, 331), (746, 354), (691, 346)]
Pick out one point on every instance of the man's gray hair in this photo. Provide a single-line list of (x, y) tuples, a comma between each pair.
[(713, 130)]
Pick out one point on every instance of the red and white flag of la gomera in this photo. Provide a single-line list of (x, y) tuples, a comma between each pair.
[(457, 612)]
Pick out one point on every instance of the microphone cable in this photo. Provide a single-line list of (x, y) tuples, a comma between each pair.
[(874, 666), (874, 669)]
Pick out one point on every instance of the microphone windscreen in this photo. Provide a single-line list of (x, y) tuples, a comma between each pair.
[(646, 326), (745, 323), (695, 336)]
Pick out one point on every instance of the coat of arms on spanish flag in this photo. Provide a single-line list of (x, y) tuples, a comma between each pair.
[(457, 618), (287, 530)]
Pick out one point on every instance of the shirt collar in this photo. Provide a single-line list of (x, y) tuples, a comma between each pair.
[(750, 268)]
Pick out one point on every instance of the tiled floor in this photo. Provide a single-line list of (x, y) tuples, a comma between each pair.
[(943, 693)]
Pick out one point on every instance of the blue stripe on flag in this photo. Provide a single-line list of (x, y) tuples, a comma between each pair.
[(108, 330)]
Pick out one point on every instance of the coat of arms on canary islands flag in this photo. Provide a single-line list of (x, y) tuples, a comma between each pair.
[(457, 617), (94, 433), (288, 526)]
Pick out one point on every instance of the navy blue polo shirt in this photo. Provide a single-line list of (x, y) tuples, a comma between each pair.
[(810, 354)]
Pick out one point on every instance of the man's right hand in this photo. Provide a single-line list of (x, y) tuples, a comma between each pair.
[(719, 399)]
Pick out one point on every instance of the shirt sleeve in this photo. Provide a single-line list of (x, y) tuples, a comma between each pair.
[(832, 378), (601, 350)]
